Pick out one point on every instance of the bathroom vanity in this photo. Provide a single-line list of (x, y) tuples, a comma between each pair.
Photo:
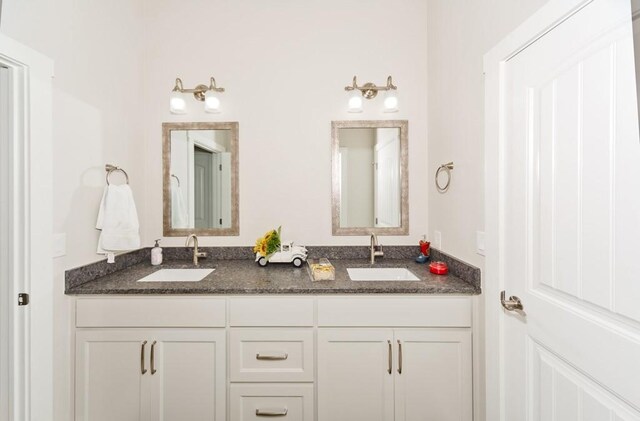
[(386, 340), (249, 343)]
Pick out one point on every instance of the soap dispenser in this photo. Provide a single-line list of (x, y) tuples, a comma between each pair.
[(156, 254)]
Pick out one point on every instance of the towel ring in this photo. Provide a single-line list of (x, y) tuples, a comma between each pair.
[(112, 168), (447, 169), (177, 179)]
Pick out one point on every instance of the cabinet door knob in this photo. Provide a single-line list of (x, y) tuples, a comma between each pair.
[(153, 358), (142, 369), (399, 357)]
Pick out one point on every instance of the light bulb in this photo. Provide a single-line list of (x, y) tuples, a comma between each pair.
[(211, 102), (177, 104), (391, 102), (355, 103)]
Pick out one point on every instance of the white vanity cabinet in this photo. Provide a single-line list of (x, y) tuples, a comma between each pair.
[(271, 358), (150, 372), (394, 372), (297, 358), (355, 380), (433, 377), (109, 381)]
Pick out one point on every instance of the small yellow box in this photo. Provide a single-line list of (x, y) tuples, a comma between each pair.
[(321, 270)]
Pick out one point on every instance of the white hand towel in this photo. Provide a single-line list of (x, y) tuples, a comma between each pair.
[(179, 215), (118, 220)]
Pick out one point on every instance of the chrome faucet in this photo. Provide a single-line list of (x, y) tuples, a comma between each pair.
[(376, 249), (196, 254)]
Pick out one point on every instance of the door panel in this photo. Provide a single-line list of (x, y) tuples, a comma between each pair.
[(354, 382), (190, 380), (570, 208), (109, 382), (435, 380), (562, 393)]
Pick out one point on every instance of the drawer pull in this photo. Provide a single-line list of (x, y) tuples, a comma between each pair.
[(272, 412), (272, 357)]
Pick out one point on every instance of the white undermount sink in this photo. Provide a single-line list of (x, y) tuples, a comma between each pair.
[(177, 275), (381, 274)]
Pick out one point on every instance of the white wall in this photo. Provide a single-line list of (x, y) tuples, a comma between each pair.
[(96, 100), (460, 32), (284, 65)]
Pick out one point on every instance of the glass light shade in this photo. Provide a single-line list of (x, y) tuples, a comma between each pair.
[(391, 102), (177, 104), (355, 102), (211, 102)]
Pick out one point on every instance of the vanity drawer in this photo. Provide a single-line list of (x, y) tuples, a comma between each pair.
[(251, 402), (271, 311), (394, 311), (151, 312), (271, 355)]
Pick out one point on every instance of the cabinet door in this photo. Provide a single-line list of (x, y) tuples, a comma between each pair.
[(188, 374), (109, 380), (355, 374), (433, 375)]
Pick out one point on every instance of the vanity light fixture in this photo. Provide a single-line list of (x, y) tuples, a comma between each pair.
[(207, 94), (369, 91)]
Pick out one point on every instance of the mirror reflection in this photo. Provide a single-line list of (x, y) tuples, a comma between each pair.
[(201, 169), (369, 177)]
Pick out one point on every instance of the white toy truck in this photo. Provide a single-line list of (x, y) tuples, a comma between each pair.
[(288, 254)]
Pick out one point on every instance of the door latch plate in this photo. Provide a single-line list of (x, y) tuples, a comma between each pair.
[(23, 299)]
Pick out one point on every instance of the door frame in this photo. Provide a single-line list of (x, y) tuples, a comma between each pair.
[(542, 22), (30, 254)]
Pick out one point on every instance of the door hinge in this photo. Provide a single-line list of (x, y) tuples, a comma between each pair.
[(23, 299)]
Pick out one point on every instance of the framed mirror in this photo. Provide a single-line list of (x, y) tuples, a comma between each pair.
[(370, 181), (200, 179)]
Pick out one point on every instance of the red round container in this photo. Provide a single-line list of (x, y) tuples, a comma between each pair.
[(439, 268)]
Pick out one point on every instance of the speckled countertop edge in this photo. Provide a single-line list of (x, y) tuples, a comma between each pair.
[(235, 273)]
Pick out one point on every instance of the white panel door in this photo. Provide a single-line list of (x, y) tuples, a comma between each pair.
[(6, 287), (387, 178), (188, 374), (570, 221), (433, 375), (110, 384), (224, 159), (355, 375)]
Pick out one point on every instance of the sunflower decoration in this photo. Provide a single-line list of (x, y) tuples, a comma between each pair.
[(268, 244)]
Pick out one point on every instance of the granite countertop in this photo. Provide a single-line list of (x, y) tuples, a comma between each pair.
[(242, 276)]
